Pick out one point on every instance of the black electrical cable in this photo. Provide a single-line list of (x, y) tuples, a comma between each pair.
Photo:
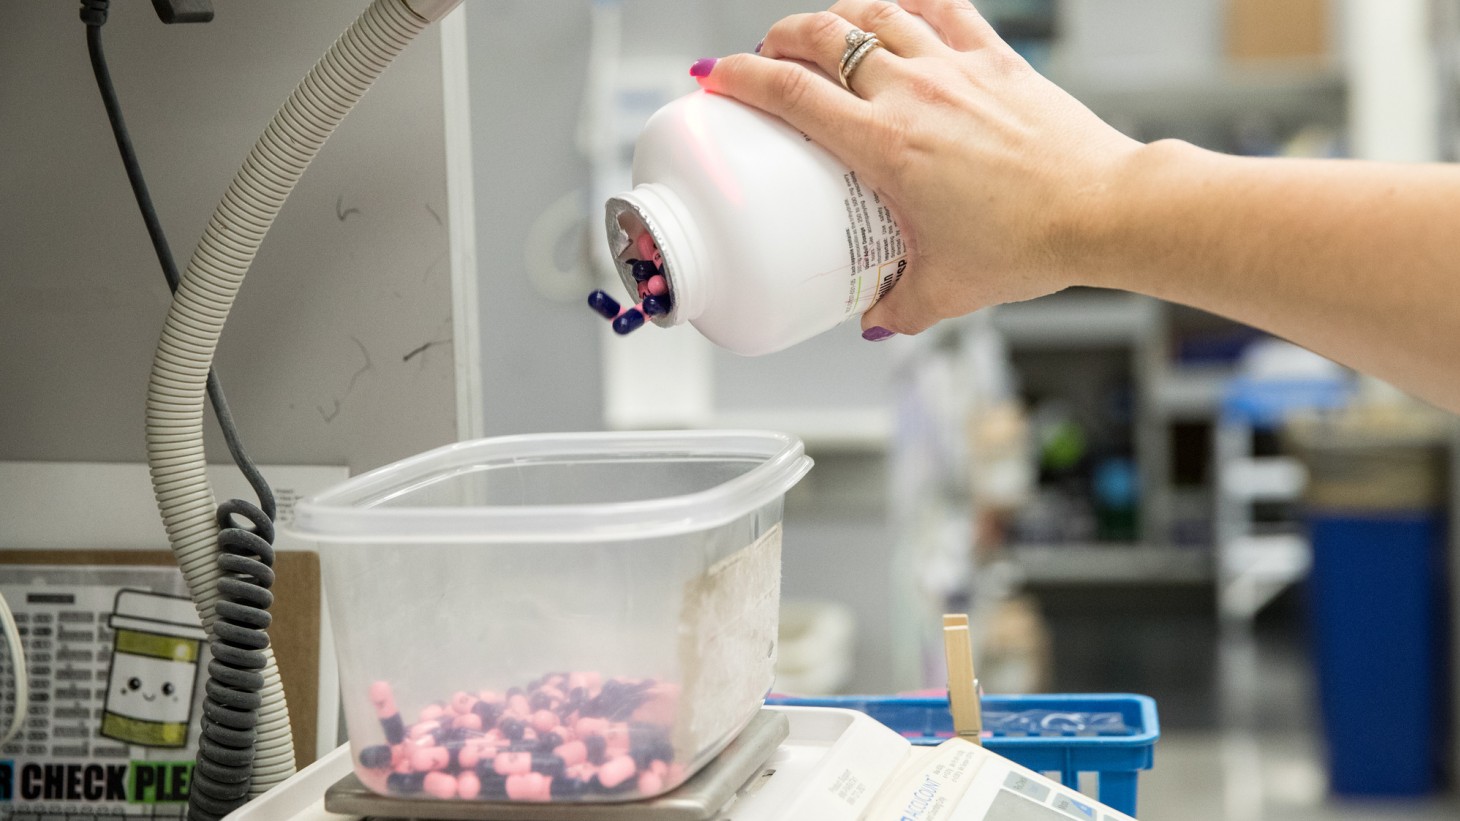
[(224, 768)]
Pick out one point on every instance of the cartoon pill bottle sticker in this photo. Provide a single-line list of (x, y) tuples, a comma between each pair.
[(155, 658)]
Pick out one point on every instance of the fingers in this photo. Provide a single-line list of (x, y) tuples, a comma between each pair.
[(815, 105), (907, 309), (902, 33), (957, 22), (820, 38)]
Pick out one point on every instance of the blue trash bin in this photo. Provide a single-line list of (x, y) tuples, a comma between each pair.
[(1378, 626)]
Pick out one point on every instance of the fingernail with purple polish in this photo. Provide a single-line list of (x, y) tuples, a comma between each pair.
[(759, 46), (702, 67), (877, 333)]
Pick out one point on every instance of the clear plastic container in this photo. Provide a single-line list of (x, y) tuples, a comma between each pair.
[(509, 611)]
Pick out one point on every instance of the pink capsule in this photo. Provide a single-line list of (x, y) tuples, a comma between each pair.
[(383, 699), (426, 759), (513, 763), (649, 784), (375, 781), (656, 286), (577, 680), (660, 705), (518, 705), (462, 702), (659, 768), (646, 246), (616, 771), (590, 726), (424, 730), (490, 696), (643, 289), (470, 721), (440, 785), (529, 787), (572, 752), (431, 712), (468, 786), (544, 721)]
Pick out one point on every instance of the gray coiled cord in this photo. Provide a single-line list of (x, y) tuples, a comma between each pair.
[(224, 769)]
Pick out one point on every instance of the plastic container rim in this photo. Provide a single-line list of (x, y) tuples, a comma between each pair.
[(350, 512)]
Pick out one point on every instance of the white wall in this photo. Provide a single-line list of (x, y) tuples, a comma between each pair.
[(314, 355), (541, 359)]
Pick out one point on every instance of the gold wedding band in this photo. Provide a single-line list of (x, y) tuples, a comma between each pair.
[(859, 45)]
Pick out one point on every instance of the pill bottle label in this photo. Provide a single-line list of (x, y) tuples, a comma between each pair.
[(875, 249)]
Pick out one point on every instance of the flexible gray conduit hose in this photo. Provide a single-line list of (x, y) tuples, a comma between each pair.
[(175, 391)]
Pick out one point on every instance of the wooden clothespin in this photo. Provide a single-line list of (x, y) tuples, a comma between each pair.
[(962, 683)]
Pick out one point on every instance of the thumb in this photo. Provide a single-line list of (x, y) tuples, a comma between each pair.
[(906, 309)]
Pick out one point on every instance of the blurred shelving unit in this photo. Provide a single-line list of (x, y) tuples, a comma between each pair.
[(1174, 69)]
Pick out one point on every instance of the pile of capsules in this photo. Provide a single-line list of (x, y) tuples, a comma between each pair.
[(565, 737), (654, 296)]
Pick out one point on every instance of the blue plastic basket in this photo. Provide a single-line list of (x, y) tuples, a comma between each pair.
[(1115, 751)]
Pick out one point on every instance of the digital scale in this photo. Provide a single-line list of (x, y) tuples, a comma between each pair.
[(802, 763)]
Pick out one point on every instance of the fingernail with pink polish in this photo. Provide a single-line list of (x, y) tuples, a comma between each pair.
[(877, 333), (702, 67)]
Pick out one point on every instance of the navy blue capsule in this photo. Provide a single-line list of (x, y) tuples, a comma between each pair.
[(494, 784), (547, 742), (656, 305), (568, 789), (488, 713), (629, 322), (395, 729), (643, 269), (405, 783), (606, 306), (596, 748), (625, 786), (512, 728), (548, 764), (376, 757), (540, 701)]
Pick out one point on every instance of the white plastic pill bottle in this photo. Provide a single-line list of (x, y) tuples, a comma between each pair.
[(767, 238)]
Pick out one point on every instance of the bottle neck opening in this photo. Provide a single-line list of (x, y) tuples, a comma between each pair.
[(655, 210)]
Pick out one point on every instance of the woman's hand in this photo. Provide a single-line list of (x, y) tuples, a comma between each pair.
[(997, 178)]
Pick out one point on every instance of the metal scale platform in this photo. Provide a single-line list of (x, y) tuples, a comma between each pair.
[(791, 764)]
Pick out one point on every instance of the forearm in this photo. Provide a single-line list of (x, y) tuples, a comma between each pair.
[(1357, 261)]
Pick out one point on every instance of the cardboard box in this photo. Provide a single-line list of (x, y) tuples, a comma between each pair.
[(1278, 30)]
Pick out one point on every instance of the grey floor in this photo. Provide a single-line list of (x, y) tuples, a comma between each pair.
[(1264, 758), (1239, 739), (1209, 776)]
